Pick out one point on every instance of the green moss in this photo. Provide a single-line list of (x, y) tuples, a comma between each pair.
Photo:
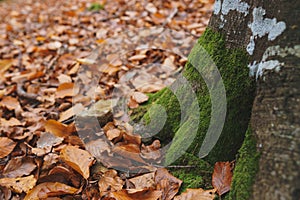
[(232, 65), (245, 170), (193, 171), (96, 7)]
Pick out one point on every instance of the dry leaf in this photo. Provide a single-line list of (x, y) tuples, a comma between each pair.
[(143, 181), (18, 167), (66, 90), (113, 134), (49, 189), (5, 65), (199, 194), (11, 103), (140, 97), (19, 185), (11, 122), (168, 184), (76, 109), (7, 146), (110, 182), (80, 160), (137, 195), (58, 129), (222, 177)]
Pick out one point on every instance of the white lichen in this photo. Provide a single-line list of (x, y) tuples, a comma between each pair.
[(236, 5), (230, 5), (217, 7), (257, 69), (263, 26)]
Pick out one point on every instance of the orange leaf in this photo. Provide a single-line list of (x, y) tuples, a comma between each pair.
[(222, 176), (10, 103), (66, 90), (7, 146), (48, 189), (58, 129), (138, 195), (80, 160), (19, 185), (5, 65), (199, 194)]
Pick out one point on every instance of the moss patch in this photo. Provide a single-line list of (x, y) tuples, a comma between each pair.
[(193, 171), (245, 170)]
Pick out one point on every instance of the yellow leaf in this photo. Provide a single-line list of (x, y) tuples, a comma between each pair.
[(19, 185), (49, 189), (5, 65)]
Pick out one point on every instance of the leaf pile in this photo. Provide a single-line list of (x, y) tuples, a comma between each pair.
[(59, 57)]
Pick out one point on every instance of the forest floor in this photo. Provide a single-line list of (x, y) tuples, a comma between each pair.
[(62, 65)]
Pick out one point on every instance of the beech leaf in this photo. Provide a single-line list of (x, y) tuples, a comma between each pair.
[(199, 194), (222, 177), (80, 160), (19, 185), (7, 146)]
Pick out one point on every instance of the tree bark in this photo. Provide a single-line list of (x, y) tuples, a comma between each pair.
[(247, 40)]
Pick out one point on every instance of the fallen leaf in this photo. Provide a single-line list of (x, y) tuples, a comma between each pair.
[(168, 184), (58, 129), (132, 103), (11, 122), (7, 146), (5, 65), (140, 97), (19, 166), (49, 189), (76, 109), (222, 177), (110, 182), (113, 134), (137, 195), (19, 185), (143, 181), (66, 90), (10, 103), (199, 194), (80, 160)]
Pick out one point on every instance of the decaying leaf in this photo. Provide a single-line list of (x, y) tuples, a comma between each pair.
[(137, 195), (66, 90), (19, 166), (80, 160), (49, 189), (110, 182), (58, 129), (19, 185), (7, 146), (168, 184), (199, 194), (139, 97), (143, 181), (222, 177)]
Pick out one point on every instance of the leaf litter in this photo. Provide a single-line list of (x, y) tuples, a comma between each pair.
[(49, 75)]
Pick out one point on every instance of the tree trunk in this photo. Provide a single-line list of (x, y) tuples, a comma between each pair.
[(256, 38)]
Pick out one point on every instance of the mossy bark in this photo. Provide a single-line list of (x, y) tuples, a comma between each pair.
[(180, 123), (245, 170)]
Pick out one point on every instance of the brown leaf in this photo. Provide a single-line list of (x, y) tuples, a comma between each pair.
[(131, 151), (140, 97), (5, 65), (137, 195), (49, 189), (76, 109), (132, 103), (143, 181), (58, 129), (113, 134), (11, 122), (66, 90), (80, 160), (110, 182), (168, 184), (19, 185), (18, 167), (199, 194), (222, 177), (7, 146), (10, 103)]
